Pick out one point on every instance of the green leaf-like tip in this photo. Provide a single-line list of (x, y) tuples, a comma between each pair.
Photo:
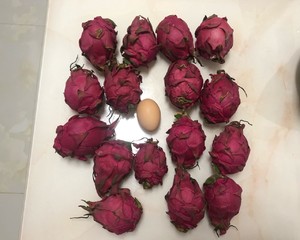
[(180, 114), (212, 179), (146, 185), (127, 144), (138, 204), (215, 168)]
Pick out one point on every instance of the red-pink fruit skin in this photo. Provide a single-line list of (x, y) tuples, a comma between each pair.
[(223, 199), (81, 136), (112, 163), (230, 150), (118, 213), (183, 83), (175, 38), (185, 200), (83, 92), (150, 164), (214, 38), (98, 41), (140, 45), (122, 88), (186, 141), (219, 98)]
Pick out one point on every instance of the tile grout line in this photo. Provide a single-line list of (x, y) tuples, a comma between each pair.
[(11, 193), (22, 24)]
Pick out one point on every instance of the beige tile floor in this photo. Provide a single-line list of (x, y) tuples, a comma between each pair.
[(22, 26)]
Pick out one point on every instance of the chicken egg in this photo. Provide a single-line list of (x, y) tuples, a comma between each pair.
[(148, 114)]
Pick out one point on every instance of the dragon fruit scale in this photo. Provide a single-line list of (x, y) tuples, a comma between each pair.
[(140, 44), (230, 150), (175, 38), (118, 213), (214, 38), (83, 92), (185, 200), (149, 164), (112, 163), (122, 88), (183, 83), (223, 199), (98, 41), (219, 98), (81, 136), (186, 141)]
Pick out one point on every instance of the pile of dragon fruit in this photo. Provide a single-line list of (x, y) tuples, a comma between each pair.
[(85, 136)]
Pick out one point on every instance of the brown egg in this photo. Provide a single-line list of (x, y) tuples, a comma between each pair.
[(148, 114)]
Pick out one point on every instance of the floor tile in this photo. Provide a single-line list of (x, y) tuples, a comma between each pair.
[(11, 205), (30, 12), (20, 60)]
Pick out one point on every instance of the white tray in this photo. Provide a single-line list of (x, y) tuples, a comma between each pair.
[(264, 61)]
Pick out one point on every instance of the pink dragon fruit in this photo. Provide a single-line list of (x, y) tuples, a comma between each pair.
[(122, 88), (139, 44), (186, 142), (230, 150), (214, 38), (98, 41), (149, 164), (83, 92), (183, 83), (175, 38), (112, 163), (219, 99), (81, 136), (186, 203), (223, 199), (118, 213)]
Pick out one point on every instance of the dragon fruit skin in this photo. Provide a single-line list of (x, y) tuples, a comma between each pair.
[(98, 41), (183, 83), (185, 200), (230, 150), (186, 141), (175, 38), (118, 213), (83, 92), (214, 38), (81, 136), (112, 163), (140, 44), (219, 98), (150, 164), (223, 199), (122, 88)]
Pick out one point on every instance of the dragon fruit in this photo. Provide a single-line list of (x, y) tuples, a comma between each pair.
[(112, 163), (149, 164), (175, 38), (98, 41), (230, 150), (186, 203), (183, 83), (118, 213), (219, 99), (214, 38), (122, 88), (81, 136), (139, 44), (83, 92), (223, 199), (186, 141)]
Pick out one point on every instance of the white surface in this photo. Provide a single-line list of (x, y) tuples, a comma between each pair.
[(264, 61)]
